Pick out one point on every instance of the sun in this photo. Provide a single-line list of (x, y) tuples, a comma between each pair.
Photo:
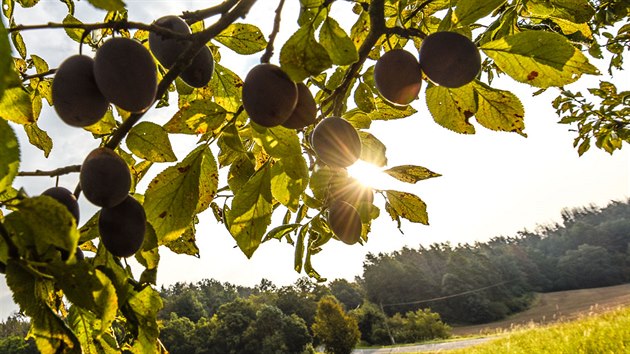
[(369, 175)]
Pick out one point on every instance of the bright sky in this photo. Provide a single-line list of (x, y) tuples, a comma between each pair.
[(493, 183)]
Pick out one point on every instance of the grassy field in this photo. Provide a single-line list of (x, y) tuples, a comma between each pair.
[(607, 332), (557, 306)]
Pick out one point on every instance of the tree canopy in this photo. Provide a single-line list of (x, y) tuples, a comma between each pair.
[(261, 180)]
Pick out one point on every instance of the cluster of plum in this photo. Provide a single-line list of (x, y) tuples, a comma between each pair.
[(123, 72), (448, 59), (271, 99)]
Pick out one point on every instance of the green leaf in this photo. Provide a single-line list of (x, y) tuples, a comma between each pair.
[(226, 88), (149, 256), (364, 98), (18, 43), (104, 126), (411, 173), (452, 108), (289, 178), (42, 224), (576, 11), (9, 155), (241, 169), (30, 293), (301, 56), (372, 149), (409, 206), (538, 58), (299, 250), (279, 232), (498, 109), (149, 141), (6, 67), (109, 5), (277, 141), (185, 244), (198, 117), (469, 11), (74, 33), (179, 192), (38, 138), (82, 324), (16, 106), (340, 47), (27, 3), (251, 211), (242, 38), (146, 304), (384, 111)]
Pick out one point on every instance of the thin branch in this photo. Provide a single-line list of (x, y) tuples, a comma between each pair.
[(195, 16), (53, 173), (39, 76), (406, 32), (377, 29), (114, 25), (272, 37)]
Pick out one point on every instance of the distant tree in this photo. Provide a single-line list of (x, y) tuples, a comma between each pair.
[(351, 295), (587, 267), (372, 324), (177, 335), (335, 330)]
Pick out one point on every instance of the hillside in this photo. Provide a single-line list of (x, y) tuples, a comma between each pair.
[(558, 306)]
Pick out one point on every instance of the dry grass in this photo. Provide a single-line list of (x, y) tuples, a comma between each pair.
[(555, 307)]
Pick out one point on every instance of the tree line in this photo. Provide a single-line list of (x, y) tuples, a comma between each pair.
[(405, 296)]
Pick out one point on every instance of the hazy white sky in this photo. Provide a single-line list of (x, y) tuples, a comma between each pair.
[(493, 183)]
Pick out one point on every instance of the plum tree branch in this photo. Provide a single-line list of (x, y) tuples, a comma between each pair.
[(274, 32), (53, 173), (195, 16), (377, 29), (39, 75), (114, 25)]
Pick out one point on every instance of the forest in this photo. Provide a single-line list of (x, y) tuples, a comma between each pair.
[(409, 295)]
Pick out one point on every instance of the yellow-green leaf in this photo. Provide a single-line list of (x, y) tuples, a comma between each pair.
[(452, 108), (242, 38), (539, 58), (9, 155), (251, 211), (289, 178), (469, 11), (198, 117), (109, 5), (179, 192), (74, 33), (577, 11), (301, 56), (498, 109), (185, 244), (385, 111), (149, 141), (226, 88), (277, 141), (372, 149), (6, 67), (334, 39), (408, 206), (411, 173), (38, 138), (16, 106)]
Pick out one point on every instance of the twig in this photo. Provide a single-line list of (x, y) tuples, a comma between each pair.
[(114, 25), (39, 76), (272, 37), (195, 16), (54, 173)]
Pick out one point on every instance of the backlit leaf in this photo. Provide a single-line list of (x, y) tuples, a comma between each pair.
[(334, 39), (149, 141), (198, 117), (251, 211), (179, 192), (408, 206), (289, 178), (5, 58), (226, 88), (301, 56), (539, 58), (146, 303), (109, 5), (9, 155), (469, 11), (498, 109), (277, 141), (16, 106), (452, 108), (411, 173), (74, 33), (577, 11), (38, 138), (372, 149), (242, 38), (185, 244), (384, 111)]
